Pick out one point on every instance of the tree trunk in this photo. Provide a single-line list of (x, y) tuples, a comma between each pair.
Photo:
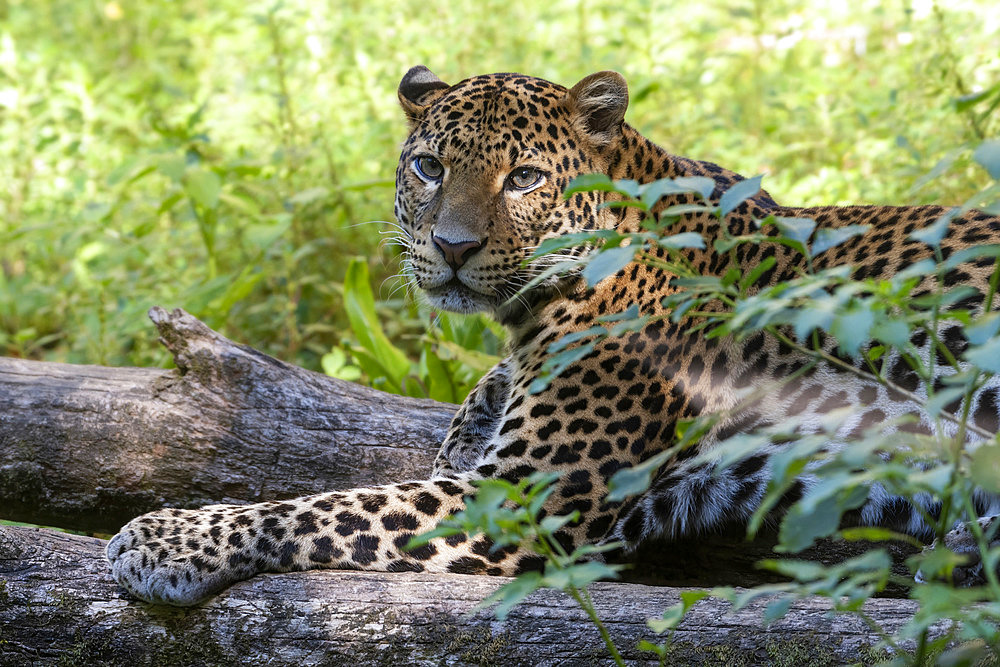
[(58, 602), (88, 448)]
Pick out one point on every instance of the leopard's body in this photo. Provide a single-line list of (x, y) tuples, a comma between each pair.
[(479, 186)]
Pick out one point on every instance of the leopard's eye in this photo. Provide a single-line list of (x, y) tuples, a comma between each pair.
[(428, 168), (523, 178)]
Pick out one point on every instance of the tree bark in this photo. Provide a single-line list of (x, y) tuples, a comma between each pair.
[(88, 448), (59, 603)]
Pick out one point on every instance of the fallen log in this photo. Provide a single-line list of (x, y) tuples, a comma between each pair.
[(59, 603), (89, 448)]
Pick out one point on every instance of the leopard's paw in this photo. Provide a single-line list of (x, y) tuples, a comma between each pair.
[(176, 557)]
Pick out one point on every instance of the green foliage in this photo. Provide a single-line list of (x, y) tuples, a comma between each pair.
[(871, 320), (511, 515), (451, 354), (221, 156)]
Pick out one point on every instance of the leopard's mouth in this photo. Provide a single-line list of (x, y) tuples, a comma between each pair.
[(458, 297)]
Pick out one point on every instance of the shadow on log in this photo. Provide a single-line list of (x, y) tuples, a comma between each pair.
[(88, 448)]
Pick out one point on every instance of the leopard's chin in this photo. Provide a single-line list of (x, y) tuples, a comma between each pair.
[(458, 297)]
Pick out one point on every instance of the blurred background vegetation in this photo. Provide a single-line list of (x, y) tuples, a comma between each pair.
[(236, 158)]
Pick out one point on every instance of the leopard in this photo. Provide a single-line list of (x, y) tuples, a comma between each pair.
[(480, 186)]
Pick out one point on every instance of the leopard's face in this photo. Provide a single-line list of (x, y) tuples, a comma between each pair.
[(480, 180)]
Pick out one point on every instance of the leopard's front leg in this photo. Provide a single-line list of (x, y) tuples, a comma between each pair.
[(182, 556), (476, 422)]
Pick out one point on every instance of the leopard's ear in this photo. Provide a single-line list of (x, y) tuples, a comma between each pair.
[(599, 102), (418, 89)]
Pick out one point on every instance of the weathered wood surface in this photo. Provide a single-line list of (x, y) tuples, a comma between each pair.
[(89, 447), (59, 603)]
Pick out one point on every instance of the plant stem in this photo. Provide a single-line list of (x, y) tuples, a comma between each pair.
[(550, 551), (588, 607), (829, 358)]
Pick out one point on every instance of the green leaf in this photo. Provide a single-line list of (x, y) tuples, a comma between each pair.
[(852, 329), (626, 203), (739, 193), (827, 238), (559, 268), (203, 186), (651, 193), (650, 647), (969, 654), (724, 245), (703, 185), (239, 288), (778, 608), (759, 270), (893, 332), (628, 187), (678, 210), (479, 361), (941, 398), (969, 254), (941, 167), (933, 564), (983, 328), (172, 166), (630, 313), (732, 275), (557, 363), (608, 262), (261, 236), (674, 614), (440, 386), (335, 364), (936, 479), (922, 268), (796, 229), (988, 155), (819, 316), (632, 481), (511, 594), (359, 302), (552, 523), (589, 183), (985, 467), (309, 196), (579, 575), (130, 170), (682, 240), (985, 356), (875, 534), (602, 183), (555, 243), (806, 521), (933, 234), (965, 102)]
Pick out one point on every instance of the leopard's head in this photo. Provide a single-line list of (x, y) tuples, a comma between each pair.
[(481, 178)]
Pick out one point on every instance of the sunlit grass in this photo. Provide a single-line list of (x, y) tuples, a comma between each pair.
[(111, 112)]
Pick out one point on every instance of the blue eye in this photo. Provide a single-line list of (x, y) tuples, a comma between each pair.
[(523, 178), (428, 168)]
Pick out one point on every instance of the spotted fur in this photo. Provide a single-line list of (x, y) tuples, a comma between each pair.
[(479, 186)]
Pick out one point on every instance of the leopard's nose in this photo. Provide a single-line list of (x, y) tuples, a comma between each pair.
[(456, 253)]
